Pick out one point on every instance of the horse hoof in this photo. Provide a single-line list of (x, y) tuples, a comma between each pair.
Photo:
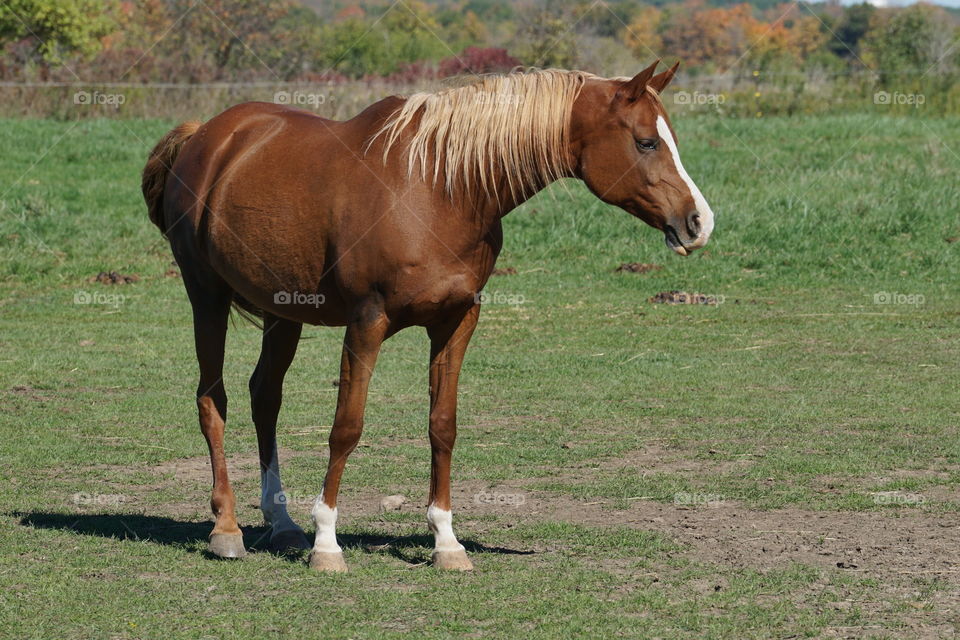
[(227, 545), (289, 540), (325, 561), (452, 560)]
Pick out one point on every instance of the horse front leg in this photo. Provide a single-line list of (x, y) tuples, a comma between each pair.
[(448, 344), (361, 345)]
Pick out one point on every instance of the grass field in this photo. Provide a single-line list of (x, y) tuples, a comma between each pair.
[(783, 464)]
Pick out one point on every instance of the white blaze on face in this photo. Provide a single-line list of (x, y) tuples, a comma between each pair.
[(706, 214)]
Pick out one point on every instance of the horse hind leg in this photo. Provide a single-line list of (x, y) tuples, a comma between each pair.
[(280, 339), (211, 309)]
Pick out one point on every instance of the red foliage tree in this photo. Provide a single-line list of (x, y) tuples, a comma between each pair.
[(478, 60)]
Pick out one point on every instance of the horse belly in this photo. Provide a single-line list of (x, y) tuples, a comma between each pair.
[(276, 258)]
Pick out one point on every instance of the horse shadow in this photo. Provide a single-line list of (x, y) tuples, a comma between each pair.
[(192, 536)]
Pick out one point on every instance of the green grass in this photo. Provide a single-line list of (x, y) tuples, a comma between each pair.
[(798, 391)]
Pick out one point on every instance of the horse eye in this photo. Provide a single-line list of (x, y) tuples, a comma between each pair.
[(648, 144)]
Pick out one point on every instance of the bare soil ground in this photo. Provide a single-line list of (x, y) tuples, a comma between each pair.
[(904, 551), (890, 546)]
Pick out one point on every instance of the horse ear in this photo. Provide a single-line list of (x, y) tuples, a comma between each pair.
[(633, 89), (660, 81)]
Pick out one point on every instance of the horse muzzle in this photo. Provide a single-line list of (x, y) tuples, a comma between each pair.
[(689, 233)]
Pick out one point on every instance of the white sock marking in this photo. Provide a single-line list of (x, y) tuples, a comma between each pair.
[(706, 213), (441, 524), (326, 520)]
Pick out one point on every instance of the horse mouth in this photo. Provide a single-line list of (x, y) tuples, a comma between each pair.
[(673, 242)]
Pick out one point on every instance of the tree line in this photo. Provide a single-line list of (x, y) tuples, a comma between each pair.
[(248, 40)]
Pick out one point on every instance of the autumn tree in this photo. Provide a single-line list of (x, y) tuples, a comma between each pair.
[(709, 37), (642, 35)]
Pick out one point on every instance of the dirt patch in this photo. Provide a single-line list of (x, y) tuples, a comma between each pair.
[(198, 467), (904, 553), (191, 478), (905, 478), (113, 277), (656, 459), (508, 271), (637, 267), (27, 391)]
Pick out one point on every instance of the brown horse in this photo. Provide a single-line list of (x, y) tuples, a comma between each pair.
[(388, 220)]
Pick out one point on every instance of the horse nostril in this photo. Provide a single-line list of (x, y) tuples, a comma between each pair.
[(693, 224)]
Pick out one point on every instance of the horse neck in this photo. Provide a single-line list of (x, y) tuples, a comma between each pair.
[(491, 204), (592, 97), (499, 201)]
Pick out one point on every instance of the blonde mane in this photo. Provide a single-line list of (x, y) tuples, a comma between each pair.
[(515, 125)]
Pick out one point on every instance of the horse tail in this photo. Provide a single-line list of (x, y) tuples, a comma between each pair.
[(248, 311), (158, 168), (155, 173)]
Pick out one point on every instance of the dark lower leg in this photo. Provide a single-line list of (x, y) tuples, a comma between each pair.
[(280, 339)]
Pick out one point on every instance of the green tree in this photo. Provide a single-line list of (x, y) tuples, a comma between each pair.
[(294, 40), (606, 21), (545, 37), (850, 31), (57, 28), (408, 32), (491, 10), (919, 39), (412, 33), (350, 47)]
